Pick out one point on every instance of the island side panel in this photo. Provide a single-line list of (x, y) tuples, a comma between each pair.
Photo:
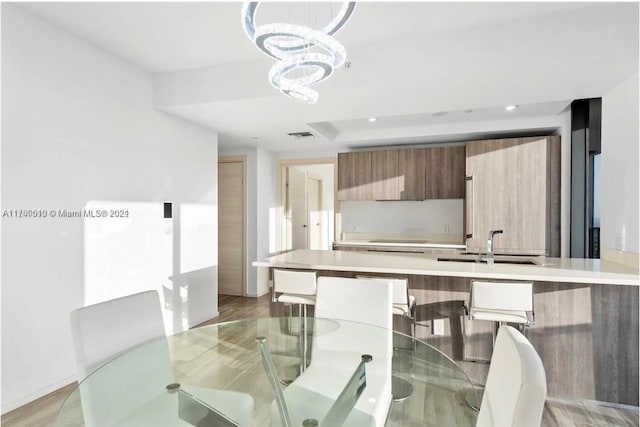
[(615, 343)]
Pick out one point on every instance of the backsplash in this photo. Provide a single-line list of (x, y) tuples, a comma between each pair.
[(403, 217)]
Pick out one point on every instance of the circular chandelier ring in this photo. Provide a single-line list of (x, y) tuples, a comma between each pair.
[(249, 10), (323, 70), (267, 35), (301, 93)]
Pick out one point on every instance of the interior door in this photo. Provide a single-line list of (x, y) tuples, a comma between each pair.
[(314, 212), (297, 201), (231, 234)]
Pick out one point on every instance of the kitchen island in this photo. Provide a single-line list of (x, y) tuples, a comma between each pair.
[(586, 313)]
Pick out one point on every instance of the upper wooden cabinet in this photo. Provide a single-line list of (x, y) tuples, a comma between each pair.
[(354, 176), (384, 175), (445, 172), (402, 174), (411, 167), (514, 185)]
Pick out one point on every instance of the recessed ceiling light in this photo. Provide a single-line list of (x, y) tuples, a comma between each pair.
[(439, 113), (254, 137), (468, 111), (510, 107), (373, 119)]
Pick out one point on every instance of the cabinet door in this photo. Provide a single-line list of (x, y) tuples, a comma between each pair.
[(507, 190), (445, 172), (354, 176), (384, 174), (411, 169)]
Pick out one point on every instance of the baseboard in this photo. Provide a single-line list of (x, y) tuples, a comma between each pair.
[(256, 295), (203, 319), (23, 400)]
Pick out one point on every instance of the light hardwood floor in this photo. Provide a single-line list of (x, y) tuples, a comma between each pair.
[(558, 412)]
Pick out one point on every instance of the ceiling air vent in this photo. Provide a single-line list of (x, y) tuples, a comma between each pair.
[(304, 134)]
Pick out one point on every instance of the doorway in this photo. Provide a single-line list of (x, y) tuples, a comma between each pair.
[(308, 200), (232, 225)]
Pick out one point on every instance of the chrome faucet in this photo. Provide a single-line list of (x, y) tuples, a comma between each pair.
[(489, 257)]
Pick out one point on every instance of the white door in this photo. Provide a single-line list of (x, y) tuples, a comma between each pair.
[(231, 217), (297, 212), (314, 213)]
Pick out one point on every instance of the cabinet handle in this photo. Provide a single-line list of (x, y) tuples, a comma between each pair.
[(469, 211)]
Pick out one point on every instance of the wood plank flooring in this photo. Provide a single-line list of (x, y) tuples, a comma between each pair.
[(558, 412)]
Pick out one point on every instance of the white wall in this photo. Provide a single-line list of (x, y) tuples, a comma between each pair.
[(619, 185), (265, 214), (403, 217), (79, 131)]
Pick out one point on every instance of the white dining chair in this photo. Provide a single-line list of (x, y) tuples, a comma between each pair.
[(404, 303), (337, 351), (132, 390), (295, 287), (516, 386), (501, 303)]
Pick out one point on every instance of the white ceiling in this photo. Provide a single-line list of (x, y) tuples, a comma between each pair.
[(409, 60)]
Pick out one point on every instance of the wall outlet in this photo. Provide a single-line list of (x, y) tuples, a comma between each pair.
[(438, 326)]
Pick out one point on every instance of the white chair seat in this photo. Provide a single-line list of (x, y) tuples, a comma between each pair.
[(297, 299), (499, 315)]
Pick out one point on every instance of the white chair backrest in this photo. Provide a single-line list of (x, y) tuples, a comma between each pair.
[(295, 282), (516, 386), (358, 300), (104, 331), (504, 296), (400, 291)]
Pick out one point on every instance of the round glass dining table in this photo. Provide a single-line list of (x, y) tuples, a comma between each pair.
[(276, 372)]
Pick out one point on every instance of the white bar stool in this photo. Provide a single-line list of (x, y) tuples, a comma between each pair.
[(500, 302), (295, 287)]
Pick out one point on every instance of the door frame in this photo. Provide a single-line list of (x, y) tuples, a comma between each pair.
[(243, 161), (281, 235)]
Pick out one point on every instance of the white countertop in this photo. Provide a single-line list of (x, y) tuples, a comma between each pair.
[(571, 270)]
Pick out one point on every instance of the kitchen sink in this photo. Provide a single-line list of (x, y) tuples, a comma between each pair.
[(408, 242), (498, 259)]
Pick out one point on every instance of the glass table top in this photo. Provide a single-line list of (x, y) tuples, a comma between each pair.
[(218, 376)]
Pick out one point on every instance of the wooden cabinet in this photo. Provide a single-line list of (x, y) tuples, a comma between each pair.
[(402, 174), (411, 169), (398, 174), (514, 185), (445, 172), (354, 176), (384, 175)]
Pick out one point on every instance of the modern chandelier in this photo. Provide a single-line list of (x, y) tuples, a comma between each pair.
[(304, 56)]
